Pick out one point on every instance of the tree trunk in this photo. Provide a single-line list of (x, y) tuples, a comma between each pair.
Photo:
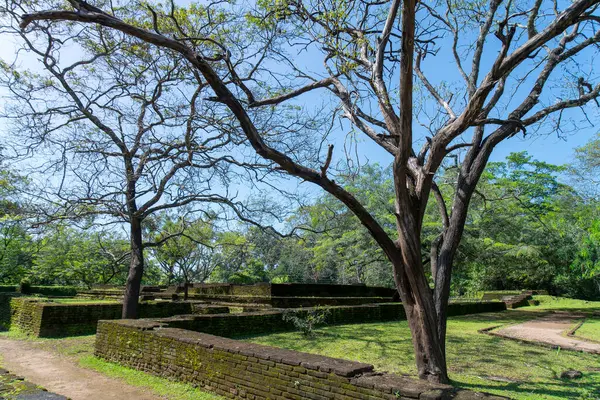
[(416, 295), (186, 285), (420, 314), (136, 270), (442, 293), (447, 250), (417, 299)]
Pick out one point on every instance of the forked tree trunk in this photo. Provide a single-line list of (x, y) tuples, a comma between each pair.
[(417, 296), (420, 314), (136, 270)]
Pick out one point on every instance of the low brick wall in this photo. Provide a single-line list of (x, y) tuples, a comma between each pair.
[(521, 300), (40, 318), (245, 370), (6, 310), (458, 308), (264, 322), (293, 302), (26, 314), (290, 302), (291, 295)]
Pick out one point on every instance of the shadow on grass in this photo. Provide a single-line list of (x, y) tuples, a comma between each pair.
[(530, 372), (561, 389)]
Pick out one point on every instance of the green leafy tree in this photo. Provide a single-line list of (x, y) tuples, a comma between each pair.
[(237, 262), (186, 252), (585, 169), (17, 249), (70, 256)]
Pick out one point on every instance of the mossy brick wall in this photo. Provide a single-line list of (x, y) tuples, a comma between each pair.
[(8, 288), (277, 295), (57, 291), (26, 314), (6, 310), (236, 369), (291, 302), (521, 300), (229, 289), (458, 308), (264, 322), (290, 295), (44, 319), (54, 291)]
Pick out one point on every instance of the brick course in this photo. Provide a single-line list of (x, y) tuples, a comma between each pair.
[(40, 318), (237, 369), (263, 322)]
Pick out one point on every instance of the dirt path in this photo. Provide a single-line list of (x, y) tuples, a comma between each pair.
[(550, 329), (63, 376)]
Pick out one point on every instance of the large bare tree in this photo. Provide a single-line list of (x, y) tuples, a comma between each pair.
[(113, 131), (512, 58)]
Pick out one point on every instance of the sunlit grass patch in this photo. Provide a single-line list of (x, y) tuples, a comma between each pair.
[(563, 303), (589, 330)]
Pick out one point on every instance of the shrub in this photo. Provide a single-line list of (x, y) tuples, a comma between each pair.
[(307, 320), (25, 286), (8, 288)]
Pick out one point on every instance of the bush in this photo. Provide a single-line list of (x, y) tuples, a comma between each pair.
[(25, 286), (8, 288), (576, 287), (307, 320)]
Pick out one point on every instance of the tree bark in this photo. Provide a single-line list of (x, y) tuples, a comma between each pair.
[(420, 312), (186, 287), (136, 270), (445, 252), (415, 292)]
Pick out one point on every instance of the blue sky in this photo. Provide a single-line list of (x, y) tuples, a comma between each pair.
[(543, 146), (549, 148)]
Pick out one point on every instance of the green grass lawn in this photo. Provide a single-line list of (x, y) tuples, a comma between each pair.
[(563, 304), (590, 329), (476, 361), (84, 301)]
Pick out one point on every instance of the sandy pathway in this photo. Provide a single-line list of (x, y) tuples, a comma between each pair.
[(63, 376), (551, 330)]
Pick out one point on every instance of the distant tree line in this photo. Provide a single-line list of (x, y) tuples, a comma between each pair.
[(532, 225)]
